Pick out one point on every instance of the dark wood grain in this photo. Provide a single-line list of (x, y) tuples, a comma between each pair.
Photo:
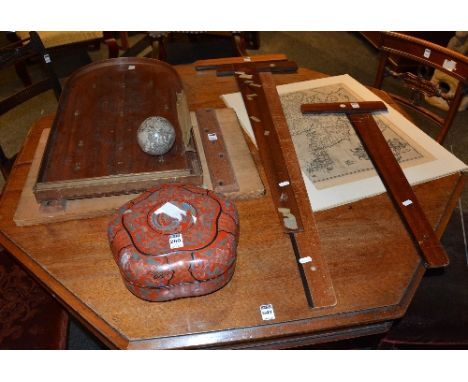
[(397, 50), (285, 181), (94, 134), (343, 107), (391, 174), (404, 199), (213, 63), (414, 48), (315, 273), (371, 258), (222, 174), (272, 67), (260, 111)]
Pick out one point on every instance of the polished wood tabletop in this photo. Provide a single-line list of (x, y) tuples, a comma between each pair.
[(374, 265)]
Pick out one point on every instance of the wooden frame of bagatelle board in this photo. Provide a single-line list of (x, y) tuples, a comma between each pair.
[(438, 163), (93, 151)]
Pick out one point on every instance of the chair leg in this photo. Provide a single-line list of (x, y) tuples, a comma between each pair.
[(6, 164), (161, 49), (112, 47), (240, 44), (454, 104), (123, 40), (20, 68), (23, 74), (252, 40), (380, 71)]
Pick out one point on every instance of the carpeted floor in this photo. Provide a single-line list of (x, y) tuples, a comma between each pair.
[(333, 53)]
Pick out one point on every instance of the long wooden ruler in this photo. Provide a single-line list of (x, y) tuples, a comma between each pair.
[(392, 175), (269, 66), (215, 63), (274, 63), (265, 115), (286, 185)]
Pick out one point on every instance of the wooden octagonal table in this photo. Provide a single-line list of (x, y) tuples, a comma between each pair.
[(372, 261)]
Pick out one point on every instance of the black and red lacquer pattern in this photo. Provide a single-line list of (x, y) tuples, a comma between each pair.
[(175, 241)]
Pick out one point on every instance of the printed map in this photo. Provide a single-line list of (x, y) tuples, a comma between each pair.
[(327, 146)]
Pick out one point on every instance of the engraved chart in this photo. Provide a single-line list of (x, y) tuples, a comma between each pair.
[(327, 146), (334, 165)]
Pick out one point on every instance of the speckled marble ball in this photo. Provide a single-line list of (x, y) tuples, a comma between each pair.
[(156, 135)]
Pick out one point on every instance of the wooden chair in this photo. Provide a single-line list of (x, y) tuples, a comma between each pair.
[(187, 47), (29, 317), (15, 54), (399, 50), (69, 49)]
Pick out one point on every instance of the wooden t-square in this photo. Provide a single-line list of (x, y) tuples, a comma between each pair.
[(399, 190), (284, 178)]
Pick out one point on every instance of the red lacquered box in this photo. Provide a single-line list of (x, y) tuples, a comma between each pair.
[(175, 241)]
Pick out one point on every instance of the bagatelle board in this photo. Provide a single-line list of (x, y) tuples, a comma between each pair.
[(249, 184), (93, 149)]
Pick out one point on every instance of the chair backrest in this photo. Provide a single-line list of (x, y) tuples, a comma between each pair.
[(395, 47), (187, 47), (16, 54)]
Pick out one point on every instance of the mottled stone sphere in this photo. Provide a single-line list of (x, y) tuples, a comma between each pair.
[(156, 135)]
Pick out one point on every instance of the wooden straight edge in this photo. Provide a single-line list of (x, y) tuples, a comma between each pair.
[(399, 190), (311, 261), (214, 62), (343, 107), (223, 178), (267, 66), (392, 175), (441, 225), (199, 147), (272, 157)]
